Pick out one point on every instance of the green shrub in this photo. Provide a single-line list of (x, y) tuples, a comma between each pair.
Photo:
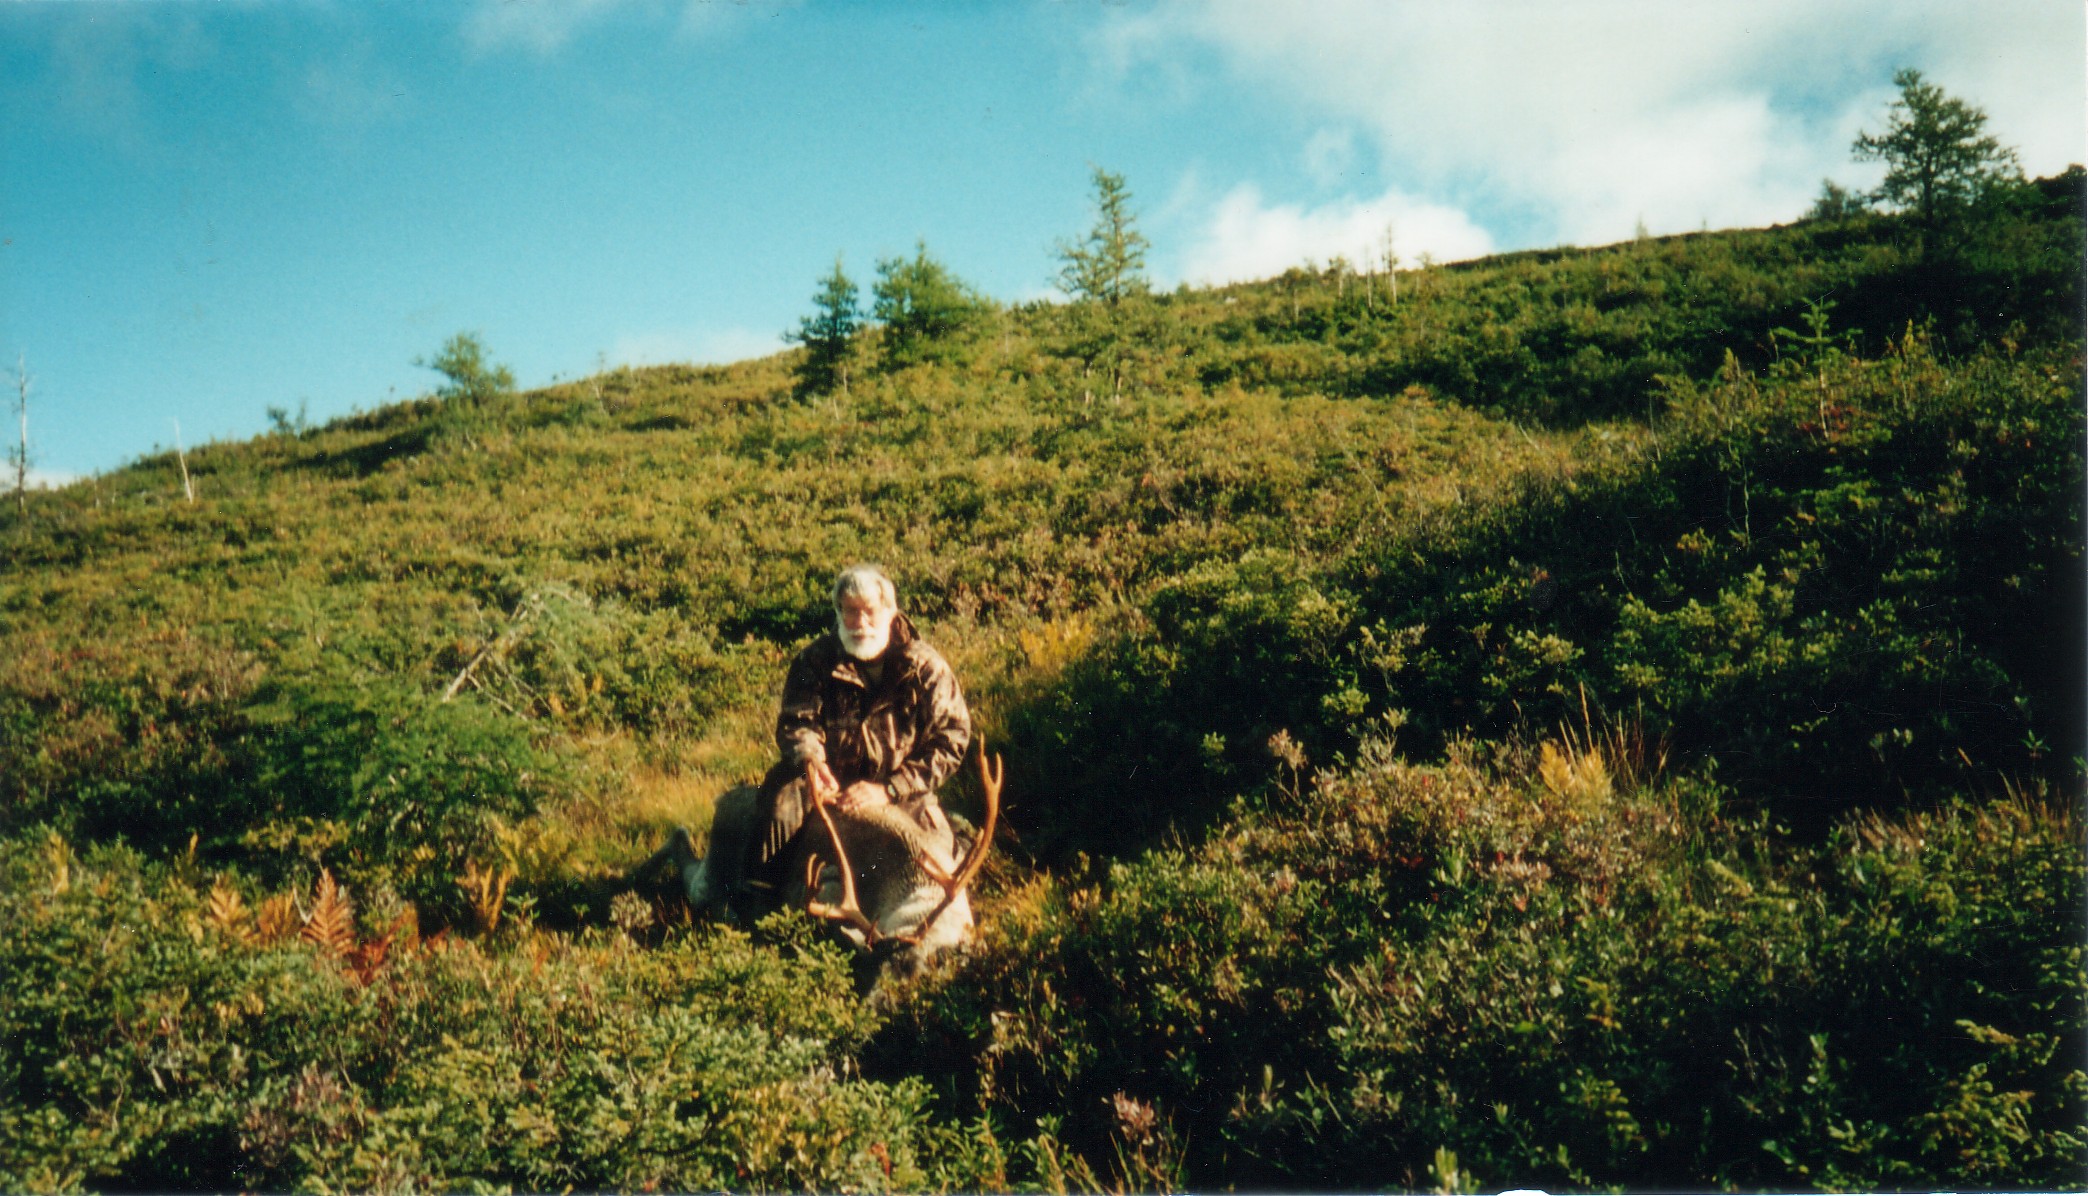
[(380, 778), (1842, 582), (1547, 976), (175, 741), (1192, 560), (150, 1039), (117, 737)]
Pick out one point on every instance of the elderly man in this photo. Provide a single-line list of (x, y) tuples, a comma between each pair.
[(871, 714)]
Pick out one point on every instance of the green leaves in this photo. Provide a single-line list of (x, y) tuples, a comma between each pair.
[(1467, 959), (1938, 157), (140, 1049), (923, 308), (414, 784), (468, 381)]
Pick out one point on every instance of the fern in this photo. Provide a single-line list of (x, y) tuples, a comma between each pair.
[(486, 891), (275, 920), (366, 959), (331, 924), (228, 912), (404, 929)]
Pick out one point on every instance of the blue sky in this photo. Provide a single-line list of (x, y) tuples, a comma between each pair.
[(208, 209)]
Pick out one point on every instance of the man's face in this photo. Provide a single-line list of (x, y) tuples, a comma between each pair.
[(865, 626)]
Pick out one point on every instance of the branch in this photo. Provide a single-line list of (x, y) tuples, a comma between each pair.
[(501, 643)]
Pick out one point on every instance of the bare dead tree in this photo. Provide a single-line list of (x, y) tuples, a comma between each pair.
[(188, 488), (1388, 253), (21, 452)]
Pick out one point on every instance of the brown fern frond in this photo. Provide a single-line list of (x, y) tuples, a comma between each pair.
[(486, 891), (331, 924), (275, 920), (368, 958), (227, 911)]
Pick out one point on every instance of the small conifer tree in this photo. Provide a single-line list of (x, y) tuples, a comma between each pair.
[(828, 334), (922, 307), (1836, 202), (1109, 263)]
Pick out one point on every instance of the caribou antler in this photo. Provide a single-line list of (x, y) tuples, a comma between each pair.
[(990, 775), (848, 911)]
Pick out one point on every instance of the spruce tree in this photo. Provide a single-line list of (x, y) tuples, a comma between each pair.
[(922, 307), (1109, 263), (828, 334)]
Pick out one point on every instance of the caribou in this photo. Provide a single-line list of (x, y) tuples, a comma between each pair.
[(898, 891)]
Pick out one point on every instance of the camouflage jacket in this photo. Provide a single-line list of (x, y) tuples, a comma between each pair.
[(909, 730)]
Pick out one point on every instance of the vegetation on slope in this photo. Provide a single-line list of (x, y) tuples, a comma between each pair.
[(1601, 717), (1536, 969)]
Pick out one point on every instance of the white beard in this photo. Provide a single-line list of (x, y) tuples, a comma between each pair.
[(868, 646)]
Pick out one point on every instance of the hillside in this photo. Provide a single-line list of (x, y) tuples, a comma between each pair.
[(1575, 719)]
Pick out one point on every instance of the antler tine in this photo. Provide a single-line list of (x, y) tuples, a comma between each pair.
[(811, 872), (990, 775), (848, 911), (844, 913)]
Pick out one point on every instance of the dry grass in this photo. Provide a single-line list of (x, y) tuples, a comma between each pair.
[(485, 891), (647, 790), (1616, 744), (659, 800)]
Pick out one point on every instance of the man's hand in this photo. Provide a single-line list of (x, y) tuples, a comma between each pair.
[(864, 794), (824, 786)]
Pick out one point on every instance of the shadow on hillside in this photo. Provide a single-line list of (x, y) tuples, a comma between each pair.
[(1099, 766), (365, 459), (661, 423)]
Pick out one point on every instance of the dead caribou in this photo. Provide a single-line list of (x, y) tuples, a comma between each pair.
[(900, 892)]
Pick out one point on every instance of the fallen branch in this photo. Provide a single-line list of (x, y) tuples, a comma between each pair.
[(516, 625)]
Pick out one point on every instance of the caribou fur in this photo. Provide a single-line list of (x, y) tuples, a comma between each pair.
[(898, 890)]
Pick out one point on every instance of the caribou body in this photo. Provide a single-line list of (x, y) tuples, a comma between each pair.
[(899, 891)]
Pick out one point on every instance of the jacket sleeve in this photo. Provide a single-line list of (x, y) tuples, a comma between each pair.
[(946, 731), (799, 733)]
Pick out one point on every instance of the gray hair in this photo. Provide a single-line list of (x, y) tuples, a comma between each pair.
[(865, 581)]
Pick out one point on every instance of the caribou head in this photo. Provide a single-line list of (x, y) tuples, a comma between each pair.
[(898, 890), (884, 878)]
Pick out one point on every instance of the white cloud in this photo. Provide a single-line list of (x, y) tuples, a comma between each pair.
[(1600, 114), (1330, 155), (544, 26), (538, 25), (1247, 238), (45, 479), (699, 345)]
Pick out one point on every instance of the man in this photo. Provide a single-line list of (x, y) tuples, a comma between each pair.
[(871, 714)]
